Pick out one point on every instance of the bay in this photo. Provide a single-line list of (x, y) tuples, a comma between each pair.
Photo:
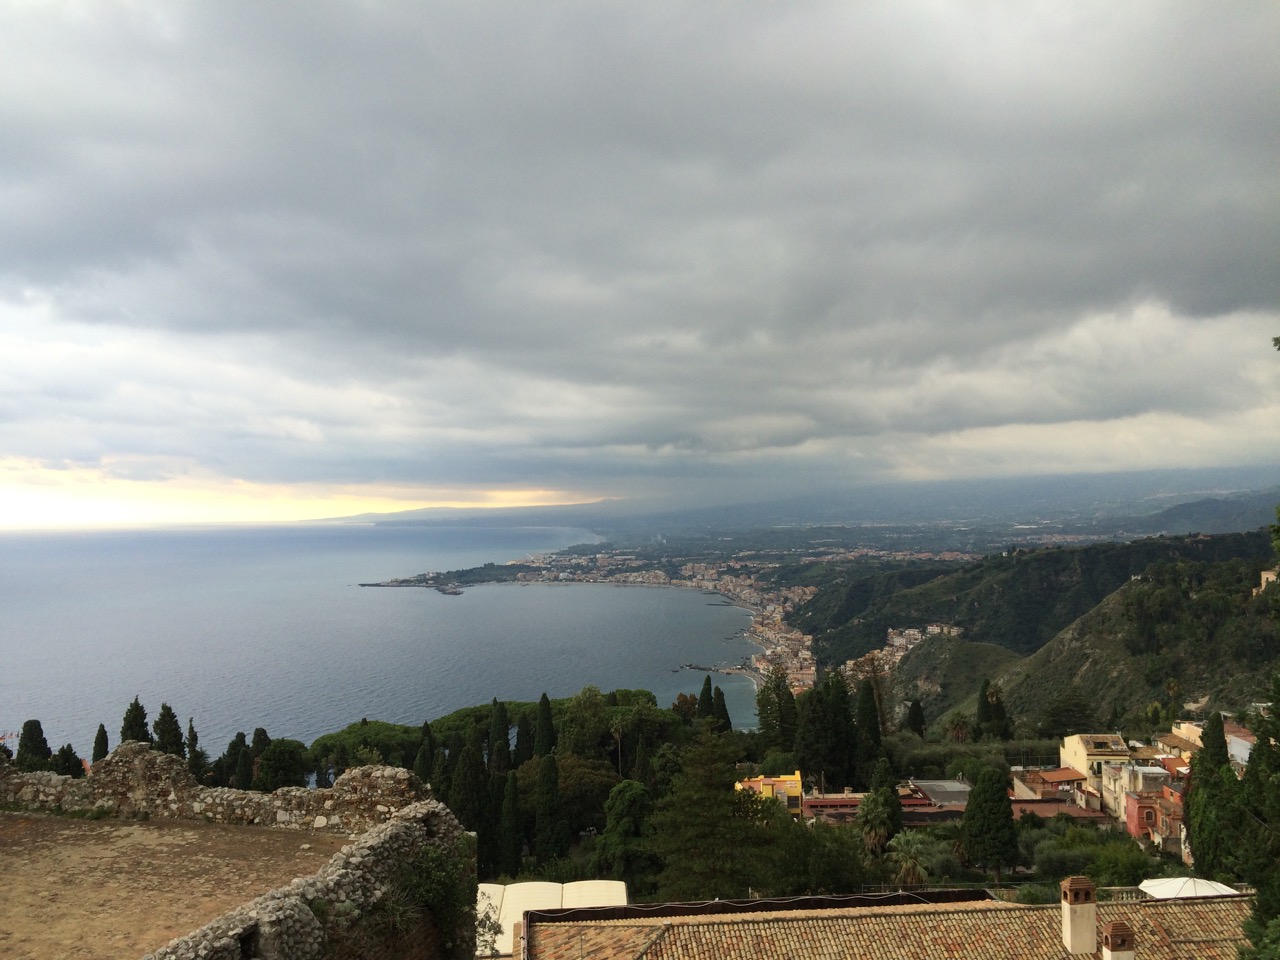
[(240, 627)]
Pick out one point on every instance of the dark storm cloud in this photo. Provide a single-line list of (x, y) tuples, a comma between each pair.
[(598, 246)]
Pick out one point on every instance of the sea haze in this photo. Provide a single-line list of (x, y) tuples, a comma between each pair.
[(267, 626)]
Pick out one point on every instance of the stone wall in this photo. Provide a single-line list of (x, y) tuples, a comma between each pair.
[(355, 907), (352, 907), (136, 781)]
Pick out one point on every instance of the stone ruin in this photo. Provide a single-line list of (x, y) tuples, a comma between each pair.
[(136, 781), (389, 805)]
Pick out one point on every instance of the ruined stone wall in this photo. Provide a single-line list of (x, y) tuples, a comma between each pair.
[(136, 781), (353, 907)]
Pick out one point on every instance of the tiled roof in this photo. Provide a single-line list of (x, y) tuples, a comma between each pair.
[(1204, 929)]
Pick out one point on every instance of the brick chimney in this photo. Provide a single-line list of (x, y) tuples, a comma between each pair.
[(1117, 941), (1079, 915)]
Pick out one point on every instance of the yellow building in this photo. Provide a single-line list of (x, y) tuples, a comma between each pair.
[(787, 789)]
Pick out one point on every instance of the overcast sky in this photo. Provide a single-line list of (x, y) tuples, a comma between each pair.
[(306, 259)]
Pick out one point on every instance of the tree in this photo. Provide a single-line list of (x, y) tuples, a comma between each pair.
[(915, 718), (1260, 803), (879, 819), (100, 744), (825, 737), (524, 741), (134, 726), (776, 708), (243, 779), (260, 742), (197, 759), (1213, 817), (499, 739), (422, 764), (685, 706), (910, 851), (867, 714), (720, 712), (33, 748), (510, 834), (987, 830), (585, 724), (621, 852), (469, 792), (706, 700), (169, 732), (551, 832), (282, 764), (702, 829), (544, 735), (67, 762)]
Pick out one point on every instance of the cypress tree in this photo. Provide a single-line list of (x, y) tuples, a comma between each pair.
[(33, 748), (422, 764), (1260, 802), (720, 712), (524, 742), (867, 716), (244, 769), (706, 700), (428, 744), (134, 726), (197, 759), (169, 732), (67, 762), (100, 744), (499, 739), (260, 742), (510, 836), (1213, 817), (469, 792), (544, 739), (915, 718), (989, 835), (551, 832)]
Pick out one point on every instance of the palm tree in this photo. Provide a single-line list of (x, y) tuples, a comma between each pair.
[(910, 851), (875, 822)]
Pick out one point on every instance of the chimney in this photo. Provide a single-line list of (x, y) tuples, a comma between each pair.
[(1079, 915), (1117, 941)]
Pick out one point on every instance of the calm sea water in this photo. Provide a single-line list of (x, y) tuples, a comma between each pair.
[(265, 626)]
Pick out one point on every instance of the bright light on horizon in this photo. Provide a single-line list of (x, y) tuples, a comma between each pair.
[(33, 497)]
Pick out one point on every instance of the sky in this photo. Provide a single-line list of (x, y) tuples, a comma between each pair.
[(309, 259)]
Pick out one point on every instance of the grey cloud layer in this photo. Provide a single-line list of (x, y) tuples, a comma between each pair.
[(468, 243)]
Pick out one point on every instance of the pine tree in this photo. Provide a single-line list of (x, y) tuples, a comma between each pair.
[(510, 835), (100, 744), (776, 709), (720, 712), (544, 740), (169, 732), (702, 832), (134, 726), (33, 748), (1212, 804), (620, 852), (282, 764), (1260, 803), (915, 718), (706, 700), (499, 739), (989, 835), (260, 742), (825, 740)]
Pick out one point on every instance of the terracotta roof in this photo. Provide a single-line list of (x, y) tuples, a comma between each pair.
[(1205, 929), (1061, 775)]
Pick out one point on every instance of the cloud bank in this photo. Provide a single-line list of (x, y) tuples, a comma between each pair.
[(449, 252)]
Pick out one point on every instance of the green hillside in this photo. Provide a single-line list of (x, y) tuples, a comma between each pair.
[(1183, 632), (1018, 601), (944, 673)]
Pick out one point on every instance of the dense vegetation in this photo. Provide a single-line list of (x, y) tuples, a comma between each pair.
[(1019, 600)]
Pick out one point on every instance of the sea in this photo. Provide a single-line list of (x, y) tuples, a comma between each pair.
[(238, 627)]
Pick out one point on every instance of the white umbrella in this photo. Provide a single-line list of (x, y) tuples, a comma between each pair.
[(1169, 888)]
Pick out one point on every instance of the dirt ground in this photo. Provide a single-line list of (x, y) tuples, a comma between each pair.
[(115, 890)]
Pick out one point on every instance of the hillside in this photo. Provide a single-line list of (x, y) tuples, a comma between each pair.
[(1018, 601), (1181, 633), (944, 673)]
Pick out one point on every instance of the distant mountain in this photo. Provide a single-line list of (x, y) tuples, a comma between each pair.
[(1245, 511)]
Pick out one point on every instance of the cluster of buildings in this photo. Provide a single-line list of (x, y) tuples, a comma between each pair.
[(897, 644)]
